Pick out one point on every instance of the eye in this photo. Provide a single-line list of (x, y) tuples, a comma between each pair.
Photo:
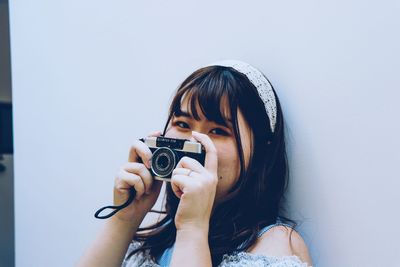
[(181, 124), (219, 131)]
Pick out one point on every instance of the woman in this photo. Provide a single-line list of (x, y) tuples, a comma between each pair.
[(228, 212)]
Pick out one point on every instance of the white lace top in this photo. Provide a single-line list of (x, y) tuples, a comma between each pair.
[(242, 259)]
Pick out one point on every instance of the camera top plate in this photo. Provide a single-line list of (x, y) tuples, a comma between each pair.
[(173, 143)]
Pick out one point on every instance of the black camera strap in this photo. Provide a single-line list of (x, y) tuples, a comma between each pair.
[(132, 194)]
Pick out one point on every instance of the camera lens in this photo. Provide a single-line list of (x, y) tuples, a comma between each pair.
[(163, 162)]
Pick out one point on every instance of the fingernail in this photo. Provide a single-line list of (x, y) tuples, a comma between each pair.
[(149, 164)]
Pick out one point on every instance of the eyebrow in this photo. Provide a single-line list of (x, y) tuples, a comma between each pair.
[(188, 115)]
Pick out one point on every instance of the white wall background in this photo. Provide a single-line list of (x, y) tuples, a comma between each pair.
[(91, 76)]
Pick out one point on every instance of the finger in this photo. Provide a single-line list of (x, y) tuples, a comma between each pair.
[(155, 134), (126, 180), (211, 160), (176, 189), (140, 170), (186, 172), (179, 184), (181, 171), (191, 164), (140, 152)]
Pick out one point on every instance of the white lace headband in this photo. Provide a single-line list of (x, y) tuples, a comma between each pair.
[(263, 86)]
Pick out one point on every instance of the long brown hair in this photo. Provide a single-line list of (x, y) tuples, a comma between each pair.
[(257, 198)]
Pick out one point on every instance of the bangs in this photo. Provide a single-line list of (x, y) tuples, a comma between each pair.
[(213, 95)]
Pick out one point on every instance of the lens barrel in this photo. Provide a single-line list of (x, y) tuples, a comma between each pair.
[(163, 162)]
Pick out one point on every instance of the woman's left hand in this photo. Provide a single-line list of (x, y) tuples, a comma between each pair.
[(196, 186)]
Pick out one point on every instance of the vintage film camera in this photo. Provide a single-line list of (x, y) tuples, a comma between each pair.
[(168, 151)]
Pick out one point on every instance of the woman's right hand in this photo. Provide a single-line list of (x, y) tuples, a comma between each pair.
[(135, 173)]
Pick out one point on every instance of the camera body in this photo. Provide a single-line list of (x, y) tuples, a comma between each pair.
[(167, 152)]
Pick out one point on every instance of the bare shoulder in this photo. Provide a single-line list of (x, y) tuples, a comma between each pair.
[(281, 241)]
